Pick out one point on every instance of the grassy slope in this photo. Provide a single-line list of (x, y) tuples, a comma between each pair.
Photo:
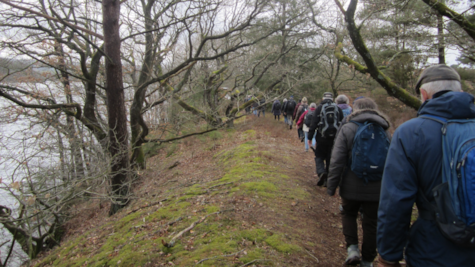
[(249, 194)]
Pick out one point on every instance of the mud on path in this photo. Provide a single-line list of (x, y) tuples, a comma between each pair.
[(240, 197)]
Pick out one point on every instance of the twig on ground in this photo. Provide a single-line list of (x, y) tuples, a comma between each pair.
[(218, 185), (228, 255), (251, 262), (172, 242), (147, 206), (311, 255), (174, 165)]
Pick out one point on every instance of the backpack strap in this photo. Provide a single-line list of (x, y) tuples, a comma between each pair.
[(337, 115), (438, 119), (323, 114), (430, 213)]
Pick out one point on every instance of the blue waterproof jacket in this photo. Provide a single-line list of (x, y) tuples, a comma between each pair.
[(414, 167)]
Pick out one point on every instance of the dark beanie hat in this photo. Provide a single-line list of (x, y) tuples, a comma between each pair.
[(439, 72)]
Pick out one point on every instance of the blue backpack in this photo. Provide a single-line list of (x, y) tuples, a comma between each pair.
[(455, 197), (370, 148)]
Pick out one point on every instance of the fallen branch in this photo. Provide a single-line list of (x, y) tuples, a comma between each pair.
[(251, 262), (172, 242), (311, 255), (174, 165), (228, 255), (218, 185), (147, 206)]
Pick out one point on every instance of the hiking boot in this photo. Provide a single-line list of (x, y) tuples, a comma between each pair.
[(366, 264), (353, 257), (323, 179)]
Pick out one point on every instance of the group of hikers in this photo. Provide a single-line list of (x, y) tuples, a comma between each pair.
[(429, 161)]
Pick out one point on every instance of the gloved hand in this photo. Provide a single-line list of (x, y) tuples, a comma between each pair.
[(384, 263)]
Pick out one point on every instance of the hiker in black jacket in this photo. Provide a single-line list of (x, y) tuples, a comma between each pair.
[(326, 131), (354, 191), (288, 110)]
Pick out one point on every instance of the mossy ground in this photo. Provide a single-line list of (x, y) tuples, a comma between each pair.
[(250, 192)]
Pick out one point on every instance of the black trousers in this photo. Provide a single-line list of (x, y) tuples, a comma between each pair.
[(323, 153), (350, 225)]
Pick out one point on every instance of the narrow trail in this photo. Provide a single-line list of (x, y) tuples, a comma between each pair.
[(319, 217)]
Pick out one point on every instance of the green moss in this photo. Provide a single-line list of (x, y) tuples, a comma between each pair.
[(168, 212), (279, 244), (128, 220), (254, 254), (249, 134), (256, 235), (171, 149), (215, 135), (212, 209), (195, 190), (262, 188)]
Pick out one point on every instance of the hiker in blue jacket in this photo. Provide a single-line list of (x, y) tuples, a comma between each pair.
[(413, 167)]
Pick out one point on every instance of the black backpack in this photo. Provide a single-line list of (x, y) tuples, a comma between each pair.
[(329, 123), (308, 118), (290, 106), (277, 106)]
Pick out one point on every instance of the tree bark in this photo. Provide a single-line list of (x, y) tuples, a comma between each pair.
[(118, 136), (371, 67), (440, 38), (462, 21)]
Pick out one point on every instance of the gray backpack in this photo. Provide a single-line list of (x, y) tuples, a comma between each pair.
[(329, 123)]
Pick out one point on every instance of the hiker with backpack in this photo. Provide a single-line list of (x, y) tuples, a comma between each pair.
[(357, 164), (301, 109), (288, 109), (430, 162), (276, 109), (325, 123), (304, 122), (284, 103), (343, 102)]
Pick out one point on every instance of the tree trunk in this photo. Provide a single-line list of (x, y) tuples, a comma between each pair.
[(440, 37), (118, 139)]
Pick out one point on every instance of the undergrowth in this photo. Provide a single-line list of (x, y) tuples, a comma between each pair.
[(206, 212)]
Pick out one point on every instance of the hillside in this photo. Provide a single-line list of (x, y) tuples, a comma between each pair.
[(240, 197)]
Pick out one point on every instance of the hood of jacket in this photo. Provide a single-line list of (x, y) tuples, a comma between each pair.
[(371, 115), (277, 102), (450, 105)]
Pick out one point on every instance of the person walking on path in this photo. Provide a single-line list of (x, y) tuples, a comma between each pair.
[(413, 169), (354, 191), (303, 122), (276, 107), (325, 123), (255, 104), (282, 110), (343, 102), (294, 113), (262, 107), (289, 108), (301, 109)]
